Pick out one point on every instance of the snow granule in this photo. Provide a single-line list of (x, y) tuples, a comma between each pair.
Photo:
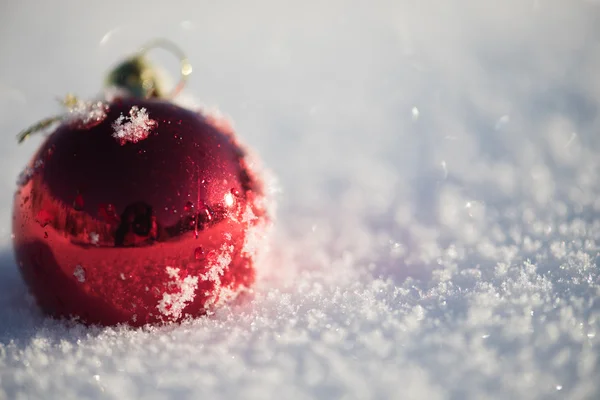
[(94, 238), (79, 273), (137, 126)]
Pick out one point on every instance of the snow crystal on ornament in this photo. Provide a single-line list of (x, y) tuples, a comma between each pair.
[(218, 268), (172, 304), (28, 173), (220, 294), (134, 128), (79, 273), (94, 238), (86, 114)]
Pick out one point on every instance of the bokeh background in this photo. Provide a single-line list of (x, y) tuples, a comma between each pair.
[(438, 198)]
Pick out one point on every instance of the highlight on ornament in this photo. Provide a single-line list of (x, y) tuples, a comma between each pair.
[(137, 210)]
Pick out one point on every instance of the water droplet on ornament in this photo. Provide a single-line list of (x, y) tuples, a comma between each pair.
[(211, 256), (108, 213), (43, 218), (199, 253), (228, 199), (78, 203), (189, 206), (204, 216)]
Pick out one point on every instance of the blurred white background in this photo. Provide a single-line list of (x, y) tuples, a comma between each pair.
[(437, 232)]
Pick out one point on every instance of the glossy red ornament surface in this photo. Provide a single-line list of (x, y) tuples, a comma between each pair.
[(156, 229)]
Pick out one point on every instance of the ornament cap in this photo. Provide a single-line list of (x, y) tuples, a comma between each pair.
[(139, 77), (135, 75)]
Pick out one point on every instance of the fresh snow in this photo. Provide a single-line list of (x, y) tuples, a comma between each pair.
[(438, 223)]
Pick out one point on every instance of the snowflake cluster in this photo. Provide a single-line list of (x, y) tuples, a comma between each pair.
[(134, 128), (86, 114)]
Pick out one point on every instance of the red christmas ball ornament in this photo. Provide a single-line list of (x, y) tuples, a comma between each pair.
[(137, 210)]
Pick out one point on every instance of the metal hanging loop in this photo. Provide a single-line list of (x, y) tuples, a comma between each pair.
[(139, 78)]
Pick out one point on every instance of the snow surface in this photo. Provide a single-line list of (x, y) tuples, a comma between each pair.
[(438, 223)]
